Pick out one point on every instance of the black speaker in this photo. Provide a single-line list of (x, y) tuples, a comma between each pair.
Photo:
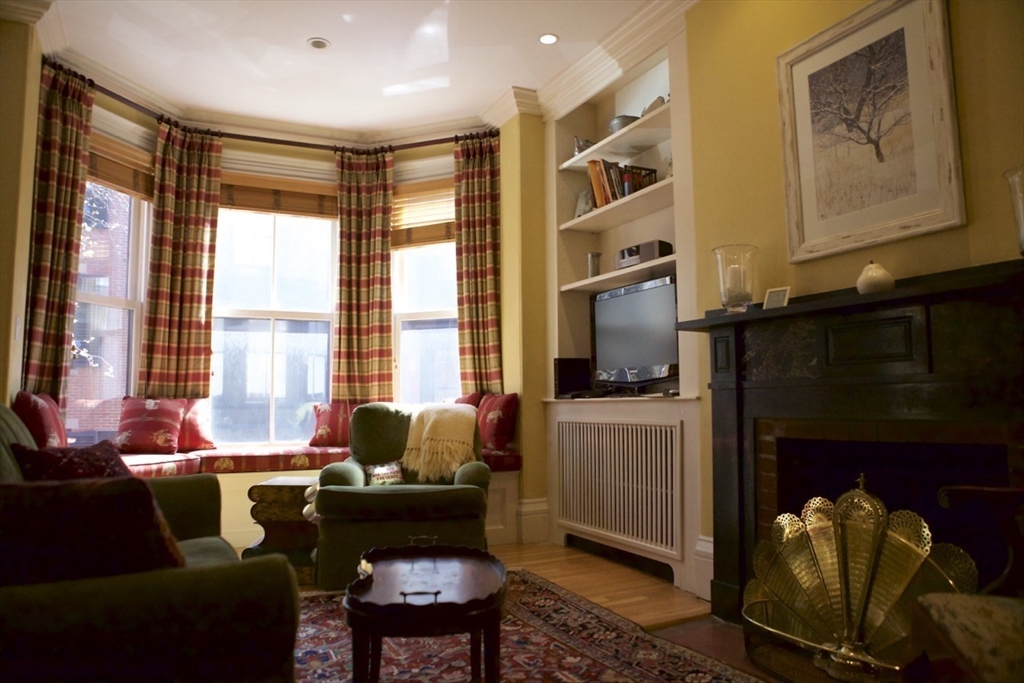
[(571, 375)]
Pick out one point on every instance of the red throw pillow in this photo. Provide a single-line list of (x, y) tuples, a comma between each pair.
[(472, 399), (150, 425), (196, 431), (496, 418), (41, 415), (47, 464), (331, 424), (57, 531)]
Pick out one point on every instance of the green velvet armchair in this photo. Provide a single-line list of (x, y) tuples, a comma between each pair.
[(355, 516), (215, 618)]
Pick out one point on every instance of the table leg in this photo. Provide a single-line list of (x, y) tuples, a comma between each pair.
[(474, 654), (360, 647), (375, 641), (492, 649)]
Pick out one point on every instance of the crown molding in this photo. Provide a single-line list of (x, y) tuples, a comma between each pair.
[(625, 48), (123, 130), (515, 101), (24, 11)]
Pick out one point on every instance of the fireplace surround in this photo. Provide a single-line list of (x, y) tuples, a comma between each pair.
[(919, 387)]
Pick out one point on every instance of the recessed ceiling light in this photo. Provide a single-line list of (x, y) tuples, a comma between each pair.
[(318, 43), (549, 39)]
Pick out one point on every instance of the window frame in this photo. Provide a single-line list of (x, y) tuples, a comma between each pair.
[(275, 315)]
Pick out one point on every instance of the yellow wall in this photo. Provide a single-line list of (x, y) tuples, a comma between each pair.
[(20, 67), (523, 323), (738, 167)]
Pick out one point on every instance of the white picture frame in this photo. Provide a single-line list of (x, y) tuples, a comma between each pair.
[(776, 297), (867, 165)]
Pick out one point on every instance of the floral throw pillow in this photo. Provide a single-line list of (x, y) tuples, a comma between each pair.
[(196, 431), (496, 419), (331, 424), (49, 464), (150, 425), (384, 475), (41, 415)]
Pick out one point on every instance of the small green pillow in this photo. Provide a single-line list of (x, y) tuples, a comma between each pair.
[(384, 475)]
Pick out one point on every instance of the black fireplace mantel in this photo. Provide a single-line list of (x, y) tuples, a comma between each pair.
[(942, 349)]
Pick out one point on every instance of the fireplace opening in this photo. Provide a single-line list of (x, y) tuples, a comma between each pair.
[(905, 476)]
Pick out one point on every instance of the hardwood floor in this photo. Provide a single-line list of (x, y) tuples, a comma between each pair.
[(644, 599), (653, 603)]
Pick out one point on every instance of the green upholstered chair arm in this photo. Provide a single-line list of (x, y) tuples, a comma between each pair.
[(342, 474), (229, 622), (12, 430), (474, 474), (190, 503), (401, 502)]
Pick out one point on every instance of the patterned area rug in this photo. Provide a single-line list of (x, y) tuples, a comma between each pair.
[(548, 634)]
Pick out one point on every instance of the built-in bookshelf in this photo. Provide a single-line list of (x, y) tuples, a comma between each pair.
[(638, 216)]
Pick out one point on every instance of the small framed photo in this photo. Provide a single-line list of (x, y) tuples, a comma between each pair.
[(776, 298)]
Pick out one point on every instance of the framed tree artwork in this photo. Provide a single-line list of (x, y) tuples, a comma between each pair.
[(869, 130)]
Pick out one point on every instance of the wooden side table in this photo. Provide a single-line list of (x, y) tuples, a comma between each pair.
[(419, 591), (278, 509)]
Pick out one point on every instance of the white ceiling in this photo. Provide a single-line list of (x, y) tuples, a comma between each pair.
[(394, 67)]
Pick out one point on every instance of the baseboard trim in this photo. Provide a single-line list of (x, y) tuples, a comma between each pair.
[(703, 566), (534, 521)]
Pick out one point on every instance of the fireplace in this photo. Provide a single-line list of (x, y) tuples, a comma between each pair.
[(918, 388)]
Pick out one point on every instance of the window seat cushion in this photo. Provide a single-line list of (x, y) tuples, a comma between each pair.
[(502, 461), (226, 460), (150, 465)]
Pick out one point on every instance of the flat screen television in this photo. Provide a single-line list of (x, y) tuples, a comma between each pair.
[(634, 334)]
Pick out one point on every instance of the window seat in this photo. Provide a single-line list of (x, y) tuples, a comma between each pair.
[(232, 459)]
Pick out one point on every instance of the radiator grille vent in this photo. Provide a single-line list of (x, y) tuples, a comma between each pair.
[(622, 480)]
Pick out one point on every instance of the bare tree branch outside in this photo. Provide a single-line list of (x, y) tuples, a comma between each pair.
[(861, 128)]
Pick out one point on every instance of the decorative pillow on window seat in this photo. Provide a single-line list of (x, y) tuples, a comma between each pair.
[(150, 425), (331, 423), (41, 415), (196, 431), (497, 420), (51, 464), (57, 531)]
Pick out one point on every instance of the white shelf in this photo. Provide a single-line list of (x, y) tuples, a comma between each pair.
[(642, 134), (659, 267), (639, 204)]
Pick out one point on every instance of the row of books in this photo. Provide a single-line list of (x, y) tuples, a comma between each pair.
[(612, 180)]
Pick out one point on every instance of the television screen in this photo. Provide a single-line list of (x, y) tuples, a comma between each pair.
[(634, 330)]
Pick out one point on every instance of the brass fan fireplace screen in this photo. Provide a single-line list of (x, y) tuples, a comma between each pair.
[(840, 581)]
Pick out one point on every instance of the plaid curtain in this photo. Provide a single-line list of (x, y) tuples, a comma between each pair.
[(62, 162), (477, 252), (362, 338), (178, 326)]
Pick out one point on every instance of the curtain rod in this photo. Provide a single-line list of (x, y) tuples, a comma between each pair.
[(256, 138)]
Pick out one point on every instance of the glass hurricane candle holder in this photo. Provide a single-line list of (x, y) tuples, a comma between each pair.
[(736, 275)]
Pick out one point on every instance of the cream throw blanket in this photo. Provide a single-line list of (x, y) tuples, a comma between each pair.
[(440, 439)]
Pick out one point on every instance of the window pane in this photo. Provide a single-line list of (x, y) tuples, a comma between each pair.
[(240, 388), (103, 259), (245, 253), (429, 360), (99, 372), (303, 269), (424, 279), (301, 376)]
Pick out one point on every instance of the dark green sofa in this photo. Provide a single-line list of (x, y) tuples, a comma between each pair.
[(355, 517), (216, 618)]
